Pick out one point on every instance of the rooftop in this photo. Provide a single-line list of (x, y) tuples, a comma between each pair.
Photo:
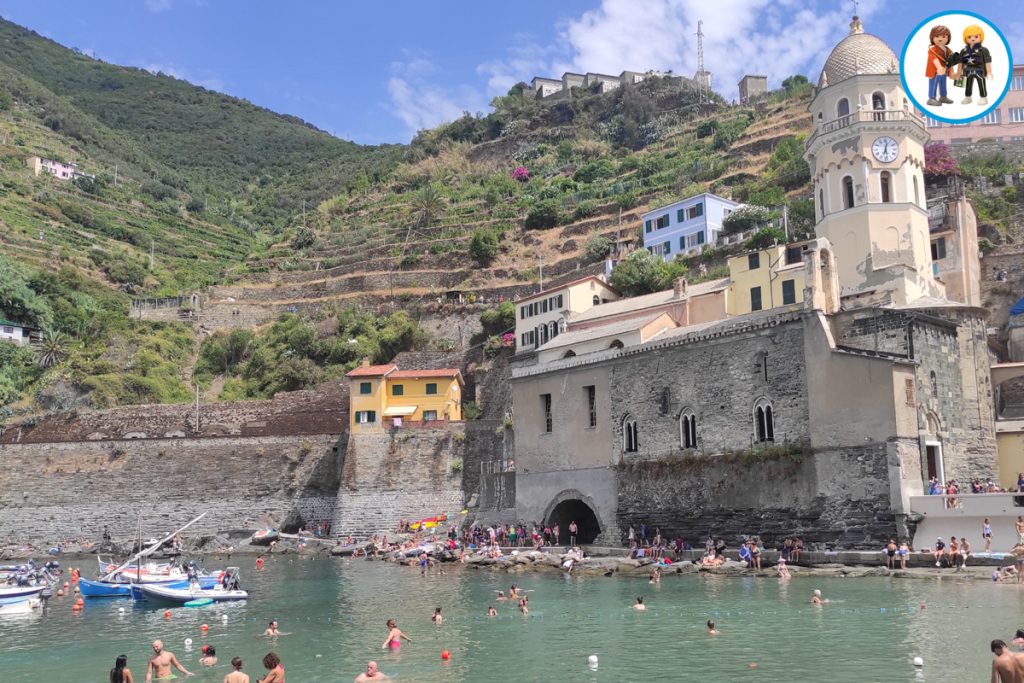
[(690, 199), (639, 303), (857, 53), (572, 283), (372, 370), (591, 333)]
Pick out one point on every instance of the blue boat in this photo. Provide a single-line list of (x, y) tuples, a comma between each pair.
[(110, 589)]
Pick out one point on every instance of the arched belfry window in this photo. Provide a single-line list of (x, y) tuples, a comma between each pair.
[(843, 107), (878, 104), (630, 435), (764, 421), (847, 192), (687, 429), (886, 182)]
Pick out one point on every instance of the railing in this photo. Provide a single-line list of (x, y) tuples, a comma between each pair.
[(866, 115), (969, 504)]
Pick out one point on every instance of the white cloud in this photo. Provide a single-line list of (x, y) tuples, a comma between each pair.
[(211, 82), (158, 5), (420, 103), (525, 57)]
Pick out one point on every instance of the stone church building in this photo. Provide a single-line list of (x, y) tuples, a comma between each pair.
[(819, 419)]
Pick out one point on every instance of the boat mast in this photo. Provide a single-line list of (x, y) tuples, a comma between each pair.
[(151, 550)]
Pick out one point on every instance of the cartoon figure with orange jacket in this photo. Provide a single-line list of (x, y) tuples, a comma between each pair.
[(936, 71)]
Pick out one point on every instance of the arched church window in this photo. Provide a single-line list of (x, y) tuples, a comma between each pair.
[(878, 104), (764, 421), (843, 107), (687, 429), (886, 179), (630, 435), (847, 192)]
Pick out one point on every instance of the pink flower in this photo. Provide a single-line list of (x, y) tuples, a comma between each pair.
[(521, 174), (939, 161)]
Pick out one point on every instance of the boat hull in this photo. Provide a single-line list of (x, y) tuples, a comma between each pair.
[(180, 596), (107, 589)]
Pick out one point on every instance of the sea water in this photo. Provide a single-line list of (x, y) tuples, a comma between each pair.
[(334, 612)]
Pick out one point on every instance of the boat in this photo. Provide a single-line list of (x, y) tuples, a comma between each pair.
[(160, 593), (149, 569), (122, 589), (21, 607), (264, 537), (13, 594)]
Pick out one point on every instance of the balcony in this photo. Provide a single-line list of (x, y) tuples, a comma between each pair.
[(864, 116)]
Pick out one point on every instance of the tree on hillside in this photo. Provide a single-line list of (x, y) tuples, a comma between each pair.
[(428, 204), (52, 349), (642, 273), (483, 247)]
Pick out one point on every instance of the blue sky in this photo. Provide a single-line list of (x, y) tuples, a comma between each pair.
[(378, 71)]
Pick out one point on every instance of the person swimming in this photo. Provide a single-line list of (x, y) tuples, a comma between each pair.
[(395, 637), (712, 631), (816, 599), (501, 596), (524, 607), (436, 617), (491, 612), (639, 606)]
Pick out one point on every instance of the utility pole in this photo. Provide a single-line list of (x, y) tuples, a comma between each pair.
[(197, 406), (702, 77), (785, 220), (540, 272)]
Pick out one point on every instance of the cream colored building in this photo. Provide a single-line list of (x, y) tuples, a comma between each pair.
[(544, 315), (768, 278), (867, 159)]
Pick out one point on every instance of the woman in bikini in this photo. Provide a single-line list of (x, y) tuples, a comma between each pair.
[(395, 636), (274, 667)]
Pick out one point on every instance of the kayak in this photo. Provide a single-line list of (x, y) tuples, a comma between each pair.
[(200, 602)]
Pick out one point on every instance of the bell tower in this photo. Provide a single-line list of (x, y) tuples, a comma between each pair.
[(867, 164)]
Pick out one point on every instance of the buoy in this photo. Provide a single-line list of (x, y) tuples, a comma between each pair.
[(445, 655), (188, 642), (120, 610), (203, 649), (76, 608), (60, 592), (924, 606), (79, 602), (592, 659), (204, 627), (223, 617), (753, 665), (77, 590), (918, 661), (318, 656), (167, 614)]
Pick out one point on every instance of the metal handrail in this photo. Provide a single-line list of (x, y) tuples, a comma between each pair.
[(871, 115)]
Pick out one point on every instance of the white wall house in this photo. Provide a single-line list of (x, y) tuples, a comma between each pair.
[(13, 332), (684, 227), (543, 316)]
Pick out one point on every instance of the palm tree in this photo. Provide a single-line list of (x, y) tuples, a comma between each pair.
[(52, 349), (428, 203)]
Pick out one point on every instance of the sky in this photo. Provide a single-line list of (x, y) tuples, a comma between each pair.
[(377, 72)]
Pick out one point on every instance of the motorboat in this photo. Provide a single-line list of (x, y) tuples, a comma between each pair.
[(14, 594), (122, 589), (164, 593), (20, 607)]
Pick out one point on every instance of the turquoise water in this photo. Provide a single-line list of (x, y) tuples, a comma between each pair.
[(337, 608)]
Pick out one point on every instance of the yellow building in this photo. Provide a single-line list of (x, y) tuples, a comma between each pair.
[(768, 278), (383, 396)]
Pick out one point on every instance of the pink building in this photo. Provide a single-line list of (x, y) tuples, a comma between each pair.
[(1005, 123), (58, 169)]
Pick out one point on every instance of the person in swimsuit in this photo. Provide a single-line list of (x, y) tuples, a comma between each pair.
[(1006, 667), (161, 662), (712, 631), (272, 630), (436, 617), (372, 673), (501, 596), (986, 533), (1020, 530), (524, 607), (816, 599), (236, 675), (121, 673), (209, 657), (424, 563), (395, 637), (890, 551), (275, 669), (781, 569), (513, 593), (903, 553), (640, 606), (491, 612)]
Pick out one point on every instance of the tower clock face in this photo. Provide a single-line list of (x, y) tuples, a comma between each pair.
[(885, 149)]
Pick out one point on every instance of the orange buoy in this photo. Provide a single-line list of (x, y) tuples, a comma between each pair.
[(80, 602), (60, 592), (76, 608), (66, 585), (446, 655), (204, 627), (753, 665), (167, 614), (203, 649)]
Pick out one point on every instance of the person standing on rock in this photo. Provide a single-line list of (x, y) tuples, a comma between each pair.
[(554, 532), (572, 533)]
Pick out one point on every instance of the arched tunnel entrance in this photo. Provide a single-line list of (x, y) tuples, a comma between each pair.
[(570, 510)]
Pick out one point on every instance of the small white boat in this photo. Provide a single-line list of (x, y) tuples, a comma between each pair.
[(182, 595), (14, 594), (22, 607)]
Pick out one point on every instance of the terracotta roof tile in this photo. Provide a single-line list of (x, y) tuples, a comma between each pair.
[(373, 371)]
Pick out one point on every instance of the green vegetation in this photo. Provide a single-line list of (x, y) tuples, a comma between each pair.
[(642, 273), (483, 246), (296, 354)]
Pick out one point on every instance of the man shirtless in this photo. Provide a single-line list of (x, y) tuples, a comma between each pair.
[(236, 676), (371, 674), (1006, 666), (161, 663)]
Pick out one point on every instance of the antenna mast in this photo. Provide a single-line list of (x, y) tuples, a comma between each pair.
[(702, 75)]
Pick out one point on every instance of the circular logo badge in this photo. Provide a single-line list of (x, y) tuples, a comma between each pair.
[(956, 66)]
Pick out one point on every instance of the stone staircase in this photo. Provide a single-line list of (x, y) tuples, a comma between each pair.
[(367, 512)]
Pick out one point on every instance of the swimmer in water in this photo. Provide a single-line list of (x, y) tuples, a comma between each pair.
[(524, 607), (712, 631), (236, 675), (781, 569), (513, 593), (275, 669), (273, 631), (816, 599), (655, 576), (640, 606), (491, 612), (395, 637), (210, 657), (501, 596), (121, 673), (161, 662), (436, 617), (372, 673)]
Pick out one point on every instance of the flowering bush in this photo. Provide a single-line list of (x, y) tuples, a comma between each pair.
[(521, 174), (508, 340), (939, 162)]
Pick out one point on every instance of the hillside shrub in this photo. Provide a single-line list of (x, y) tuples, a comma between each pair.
[(495, 321), (596, 248), (595, 170), (483, 247), (765, 238), (584, 209), (746, 218), (543, 215)]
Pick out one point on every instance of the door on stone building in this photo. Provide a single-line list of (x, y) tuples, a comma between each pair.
[(933, 458)]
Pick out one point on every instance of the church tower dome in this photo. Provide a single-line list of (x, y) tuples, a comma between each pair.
[(866, 157)]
